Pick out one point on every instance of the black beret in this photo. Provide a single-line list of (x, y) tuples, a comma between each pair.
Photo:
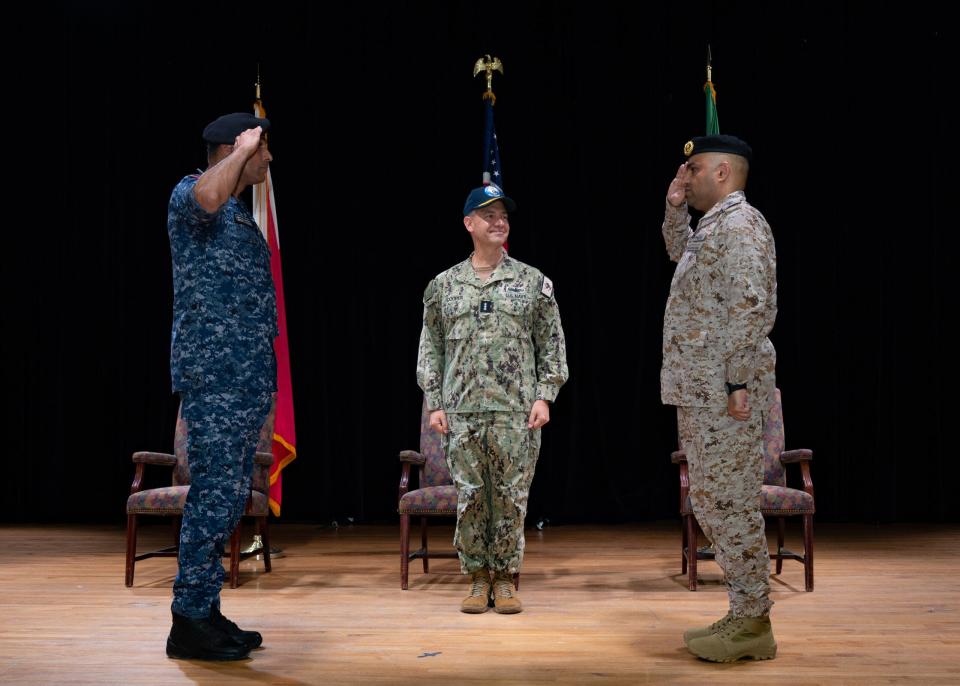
[(225, 129), (718, 143)]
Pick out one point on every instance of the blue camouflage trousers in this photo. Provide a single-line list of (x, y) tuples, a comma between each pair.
[(492, 457), (725, 458), (223, 428)]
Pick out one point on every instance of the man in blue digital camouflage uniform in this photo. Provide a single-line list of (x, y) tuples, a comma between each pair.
[(223, 366)]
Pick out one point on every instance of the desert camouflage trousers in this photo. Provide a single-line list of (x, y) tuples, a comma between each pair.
[(725, 459), (222, 433), (491, 456)]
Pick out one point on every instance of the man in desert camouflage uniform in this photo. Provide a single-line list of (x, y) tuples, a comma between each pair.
[(491, 360), (718, 369), (223, 366)]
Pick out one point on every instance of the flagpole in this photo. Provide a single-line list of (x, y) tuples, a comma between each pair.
[(284, 431), (713, 123), (487, 65), (709, 66)]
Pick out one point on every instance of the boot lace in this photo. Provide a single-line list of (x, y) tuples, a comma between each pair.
[(480, 586)]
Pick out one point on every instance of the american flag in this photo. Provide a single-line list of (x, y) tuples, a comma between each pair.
[(491, 150)]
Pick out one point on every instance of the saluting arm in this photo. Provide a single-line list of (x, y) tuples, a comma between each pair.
[(217, 184), (676, 218)]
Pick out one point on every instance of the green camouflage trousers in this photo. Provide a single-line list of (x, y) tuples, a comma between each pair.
[(491, 456), (725, 458)]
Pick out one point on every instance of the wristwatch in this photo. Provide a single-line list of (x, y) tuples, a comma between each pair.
[(731, 387)]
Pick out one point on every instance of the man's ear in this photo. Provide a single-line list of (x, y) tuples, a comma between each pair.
[(723, 170)]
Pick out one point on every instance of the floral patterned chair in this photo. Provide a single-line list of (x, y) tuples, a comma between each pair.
[(169, 500), (435, 495), (777, 500)]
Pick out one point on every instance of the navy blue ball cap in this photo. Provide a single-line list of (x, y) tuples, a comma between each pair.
[(486, 195), (718, 143), (224, 130)]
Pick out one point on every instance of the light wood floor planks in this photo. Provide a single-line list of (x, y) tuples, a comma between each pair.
[(604, 605)]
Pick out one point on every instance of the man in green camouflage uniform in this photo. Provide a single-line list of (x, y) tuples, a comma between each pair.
[(718, 369), (492, 358)]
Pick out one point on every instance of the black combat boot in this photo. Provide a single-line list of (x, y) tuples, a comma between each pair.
[(199, 639), (248, 639)]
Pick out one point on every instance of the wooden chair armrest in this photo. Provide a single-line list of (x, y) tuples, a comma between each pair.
[(142, 459), (795, 456), (404, 479), (412, 457), (138, 478), (678, 457), (807, 479), (684, 482), (265, 459), (163, 459), (803, 457)]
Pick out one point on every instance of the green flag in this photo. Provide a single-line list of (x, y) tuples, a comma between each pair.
[(713, 127)]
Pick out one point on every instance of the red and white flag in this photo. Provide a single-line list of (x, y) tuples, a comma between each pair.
[(284, 432)]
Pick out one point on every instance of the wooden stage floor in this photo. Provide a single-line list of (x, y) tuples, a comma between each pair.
[(603, 604)]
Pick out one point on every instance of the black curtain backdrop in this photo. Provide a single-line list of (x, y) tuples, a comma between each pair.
[(377, 138)]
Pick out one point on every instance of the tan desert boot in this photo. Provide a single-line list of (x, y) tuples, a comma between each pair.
[(505, 598), (691, 634), (479, 599), (741, 637)]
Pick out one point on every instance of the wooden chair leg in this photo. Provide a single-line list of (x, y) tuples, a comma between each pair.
[(131, 547), (781, 529), (683, 545), (808, 551), (404, 550), (516, 581), (264, 526), (235, 557), (423, 544), (692, 552)]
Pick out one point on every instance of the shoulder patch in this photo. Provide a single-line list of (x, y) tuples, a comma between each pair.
[(546, 287)]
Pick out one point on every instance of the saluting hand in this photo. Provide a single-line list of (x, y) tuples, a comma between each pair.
[(539, 415), (676, 194), (248, 141)]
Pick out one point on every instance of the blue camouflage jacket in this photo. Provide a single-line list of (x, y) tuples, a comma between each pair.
[(224, 304)]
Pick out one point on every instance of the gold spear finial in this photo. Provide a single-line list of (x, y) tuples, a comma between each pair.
[(257, 84), (709, 64), (488, 65)]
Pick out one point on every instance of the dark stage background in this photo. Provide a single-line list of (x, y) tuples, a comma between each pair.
[(377, 138)]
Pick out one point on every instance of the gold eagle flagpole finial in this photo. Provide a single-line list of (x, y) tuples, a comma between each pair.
[(488, 65)]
